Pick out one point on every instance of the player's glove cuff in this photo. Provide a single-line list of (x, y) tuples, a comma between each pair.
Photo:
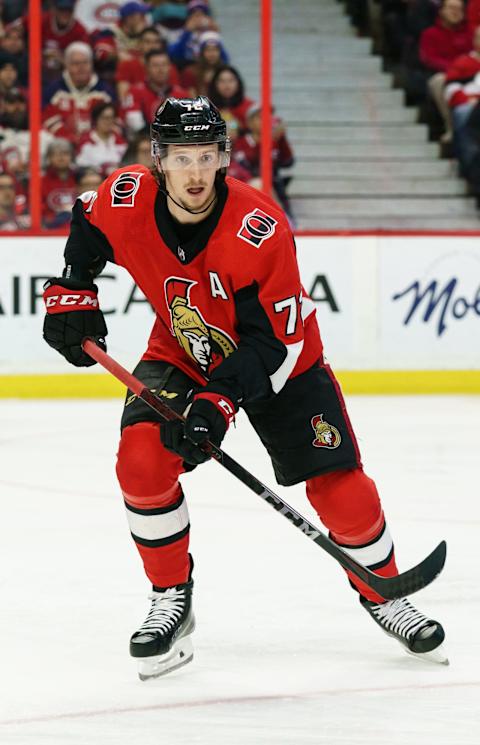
[(62, 295), (223, 404)]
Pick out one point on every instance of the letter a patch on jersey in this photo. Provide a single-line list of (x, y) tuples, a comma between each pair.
[(124, 188), (257, 226)]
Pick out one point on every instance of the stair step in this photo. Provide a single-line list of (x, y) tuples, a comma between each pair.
[(312, 48), (385, 222), (385, 186), (335, 134), (322, 149), (364, 169), (341, 84), (378, 207), (283, 65), (342, 114), (319, 99), (373, 224)]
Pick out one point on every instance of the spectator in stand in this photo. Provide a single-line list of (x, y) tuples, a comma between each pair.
[(12, 46), (145, 98), (169, 16), (70, 100), (247, 152), (105, 56), (59, 187), (15, 134), (88, 179), (139, 150), (10, 10), (462, 93), (104, 146), (394, 25), (197, 77), (59, 30), (440, 44), (236, 169), (227, 92), (185, 51), (421, 14), (9, 219), (8, 78), (130, 25), (131, 70)]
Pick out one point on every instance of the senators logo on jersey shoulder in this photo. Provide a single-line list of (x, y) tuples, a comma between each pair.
[(257, 226), (207, 345), (124, 188), (326, 435)]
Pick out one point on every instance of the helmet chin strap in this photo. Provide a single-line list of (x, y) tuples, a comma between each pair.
[(192, 212)]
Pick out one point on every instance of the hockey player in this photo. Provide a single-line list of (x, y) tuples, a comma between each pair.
[(234, 328)]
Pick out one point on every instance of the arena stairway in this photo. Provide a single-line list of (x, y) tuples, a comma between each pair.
[(362, 159)]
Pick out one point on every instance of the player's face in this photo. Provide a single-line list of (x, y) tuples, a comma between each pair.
[(190, 173)]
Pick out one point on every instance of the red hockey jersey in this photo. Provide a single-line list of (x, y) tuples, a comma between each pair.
[(235, 284)]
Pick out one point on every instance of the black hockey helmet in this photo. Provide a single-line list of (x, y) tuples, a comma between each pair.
[(189, 121)]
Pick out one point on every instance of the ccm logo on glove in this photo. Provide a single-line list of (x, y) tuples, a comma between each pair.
[(73, 313), (56, 298)]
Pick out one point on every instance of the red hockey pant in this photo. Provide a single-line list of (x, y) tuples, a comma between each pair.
[(347, 502)]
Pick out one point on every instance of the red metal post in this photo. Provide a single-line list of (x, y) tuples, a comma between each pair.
[(34, 106), (266, 89)]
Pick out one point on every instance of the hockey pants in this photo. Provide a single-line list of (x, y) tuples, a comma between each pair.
[(346, 501)]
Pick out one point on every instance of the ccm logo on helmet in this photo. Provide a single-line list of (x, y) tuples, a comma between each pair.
[(124, 188), (196, 127), (257, 226)]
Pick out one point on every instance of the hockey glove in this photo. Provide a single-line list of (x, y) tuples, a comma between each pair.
[(208, 419), (72, 314)]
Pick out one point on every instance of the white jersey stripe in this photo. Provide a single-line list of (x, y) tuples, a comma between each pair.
[(280, 376), (308, 307)]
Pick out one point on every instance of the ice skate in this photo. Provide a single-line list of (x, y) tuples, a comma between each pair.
[(163, 642), (421, 637)]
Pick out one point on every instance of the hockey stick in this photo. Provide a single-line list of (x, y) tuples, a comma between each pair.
[(387, 587)]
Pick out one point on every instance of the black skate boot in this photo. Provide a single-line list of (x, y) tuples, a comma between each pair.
[(163, 642), (421, 636)]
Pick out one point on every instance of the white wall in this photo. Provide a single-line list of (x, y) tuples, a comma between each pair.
[(383, 302)]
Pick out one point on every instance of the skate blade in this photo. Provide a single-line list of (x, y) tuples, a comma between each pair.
[(438, 656), (154, 667)]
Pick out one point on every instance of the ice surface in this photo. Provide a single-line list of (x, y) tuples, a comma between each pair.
[(283, 652)]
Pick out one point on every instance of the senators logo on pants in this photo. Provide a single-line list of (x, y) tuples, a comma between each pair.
[(207, 345), (326, 435)]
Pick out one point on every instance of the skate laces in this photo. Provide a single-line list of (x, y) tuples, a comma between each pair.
[(167, 608), (400, 617)]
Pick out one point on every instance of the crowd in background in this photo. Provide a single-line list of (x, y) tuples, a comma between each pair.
[(106, 68), (433, 48)]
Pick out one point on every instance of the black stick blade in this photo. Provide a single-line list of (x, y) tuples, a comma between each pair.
[(414, 579)]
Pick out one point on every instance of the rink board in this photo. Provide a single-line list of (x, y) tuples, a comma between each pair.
[(397, 314)]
